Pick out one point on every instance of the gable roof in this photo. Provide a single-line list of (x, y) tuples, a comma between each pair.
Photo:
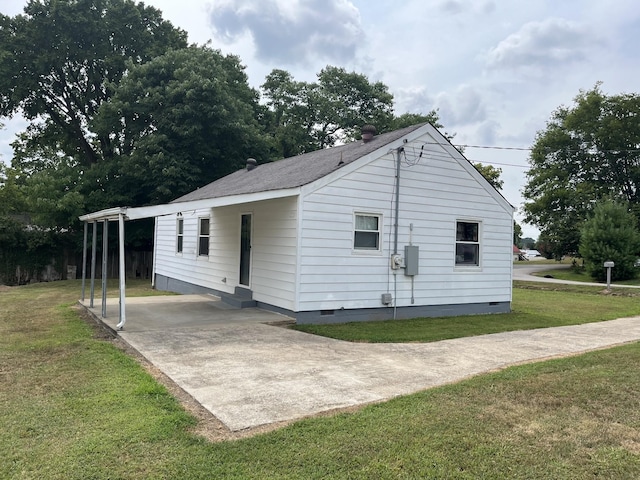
[(284, 178), (293, 171)]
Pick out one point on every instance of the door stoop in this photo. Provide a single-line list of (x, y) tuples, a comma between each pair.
[(241, 298)]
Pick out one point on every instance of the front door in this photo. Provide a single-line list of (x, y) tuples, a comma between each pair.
[(245, 249)]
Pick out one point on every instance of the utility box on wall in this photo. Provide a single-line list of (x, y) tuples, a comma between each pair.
[(411, 260)]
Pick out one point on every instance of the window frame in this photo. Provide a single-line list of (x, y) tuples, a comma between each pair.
[(202, 236), (367, 250), (477, 243), (179, 235)]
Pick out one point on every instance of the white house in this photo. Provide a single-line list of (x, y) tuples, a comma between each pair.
[(398, 225)]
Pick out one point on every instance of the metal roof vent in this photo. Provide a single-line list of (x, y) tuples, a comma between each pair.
[(251, 164), (368, 132)]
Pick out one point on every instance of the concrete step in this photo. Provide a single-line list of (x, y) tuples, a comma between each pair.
[(241, 298)]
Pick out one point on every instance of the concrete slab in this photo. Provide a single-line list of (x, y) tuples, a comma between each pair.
[(250, 374)]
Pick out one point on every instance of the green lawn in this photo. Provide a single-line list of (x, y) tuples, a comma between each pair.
[(535, 305), (74, 406)]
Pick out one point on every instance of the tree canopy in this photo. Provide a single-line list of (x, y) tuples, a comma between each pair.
[(587, 152), (491, 174), (179, 121), (61, 59), (307, 116)]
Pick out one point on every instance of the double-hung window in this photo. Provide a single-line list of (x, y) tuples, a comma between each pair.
[(203, 237), (367, 232), (179, 235), (467, 243)]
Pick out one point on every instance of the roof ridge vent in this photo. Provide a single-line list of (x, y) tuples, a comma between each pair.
[(368, 132), (251, 164)]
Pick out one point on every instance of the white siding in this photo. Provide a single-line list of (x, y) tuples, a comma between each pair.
[(435, 191), (273, 250)]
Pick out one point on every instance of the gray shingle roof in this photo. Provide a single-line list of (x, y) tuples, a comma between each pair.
[(293, 171)]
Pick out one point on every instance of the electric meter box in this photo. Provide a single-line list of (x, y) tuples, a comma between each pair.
[(411, 258)]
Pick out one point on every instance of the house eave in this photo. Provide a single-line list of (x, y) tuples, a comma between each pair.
[(136, 213), (106, 214)]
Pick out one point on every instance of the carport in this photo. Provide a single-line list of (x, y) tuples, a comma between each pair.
[(123, 214)]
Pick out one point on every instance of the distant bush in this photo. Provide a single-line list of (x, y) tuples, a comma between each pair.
[(610, 234)]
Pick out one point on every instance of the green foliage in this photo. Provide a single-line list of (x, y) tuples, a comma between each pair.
[(179, 121), (559, 241), (408, 119), (60, 60), (25, 251), (587, 152), (610, 234), (12, 200), (491, 174), (303, 116), (517, 234)]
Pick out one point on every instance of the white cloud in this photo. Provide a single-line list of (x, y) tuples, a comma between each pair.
[(462, 106), (544, 44), (291, 32)]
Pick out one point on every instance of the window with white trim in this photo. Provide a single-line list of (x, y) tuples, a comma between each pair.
[(468, 243), (366, 235), (179, 235), (203, 237)]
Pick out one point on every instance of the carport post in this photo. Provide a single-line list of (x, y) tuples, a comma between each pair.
[(105, 254), (84, 258), (94, 239), (122, 272)]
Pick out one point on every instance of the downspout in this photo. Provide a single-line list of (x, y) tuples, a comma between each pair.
[(395, 226), (395, 230), (121, 272)]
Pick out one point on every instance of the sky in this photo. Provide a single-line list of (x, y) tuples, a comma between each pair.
[(495, 70)]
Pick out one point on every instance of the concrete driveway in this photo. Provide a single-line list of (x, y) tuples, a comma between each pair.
[(248, 373)]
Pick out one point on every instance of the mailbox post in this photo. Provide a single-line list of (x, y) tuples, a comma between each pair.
[(609, 265)]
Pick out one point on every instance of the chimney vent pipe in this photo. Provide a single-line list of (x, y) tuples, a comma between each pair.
[(368, 132)]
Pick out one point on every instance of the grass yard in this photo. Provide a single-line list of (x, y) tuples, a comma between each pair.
[(74, 406), (534, 305)]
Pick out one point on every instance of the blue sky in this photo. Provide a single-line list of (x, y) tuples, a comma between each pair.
[(495, 70)]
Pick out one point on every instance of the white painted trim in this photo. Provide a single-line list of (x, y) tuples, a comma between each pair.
[(368, 251), (199, 234), (298, 275), (463, 267), (135, 213), (251, 223)]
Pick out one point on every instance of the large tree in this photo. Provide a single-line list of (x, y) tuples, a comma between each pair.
[(587, 152), (60, 61), (179, 122), (307, 116)]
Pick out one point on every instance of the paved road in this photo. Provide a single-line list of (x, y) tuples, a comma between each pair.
[(249, 374), (525, 270)]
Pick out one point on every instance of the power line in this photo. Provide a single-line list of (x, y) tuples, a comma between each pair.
[(488, 147), (499, 163)]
